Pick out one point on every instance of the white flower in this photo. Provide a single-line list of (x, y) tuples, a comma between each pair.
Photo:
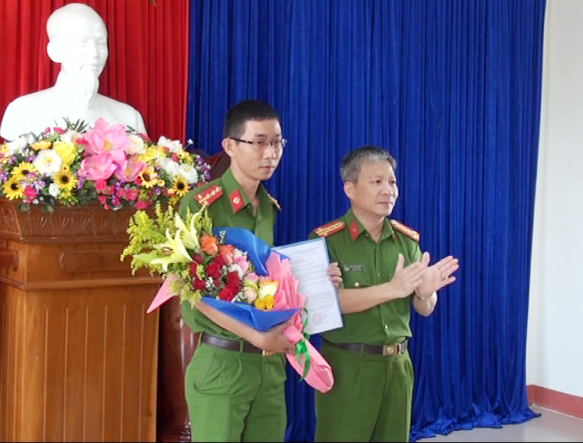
[(169, 166), (136, 145), (210, 283), (16, 146), (48, 162), (188, 172), (250, 294), (173, 146), (70, 136), (54, 190)]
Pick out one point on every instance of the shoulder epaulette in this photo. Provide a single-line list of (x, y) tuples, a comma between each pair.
[(414, 235), (209, 196), (274, 201), (330, 228)]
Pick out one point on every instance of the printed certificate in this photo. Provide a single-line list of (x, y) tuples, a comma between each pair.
[(309, 262)]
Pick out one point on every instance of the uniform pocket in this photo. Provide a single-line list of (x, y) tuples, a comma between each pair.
[(199, 368)]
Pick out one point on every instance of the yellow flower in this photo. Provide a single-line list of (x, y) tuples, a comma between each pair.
[(152, 153), (41, 145), (180, 187), (173, 251), (5, 155), (185, 156), (12, 189), (266, 303), (149, 177), (66, 180), (267, 288), (66, 151), (23, 171)]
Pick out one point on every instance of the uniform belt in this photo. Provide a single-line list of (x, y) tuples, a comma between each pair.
[(227, 343), (393, 349)]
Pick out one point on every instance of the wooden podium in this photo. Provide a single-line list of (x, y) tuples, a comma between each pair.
[(78, 353)]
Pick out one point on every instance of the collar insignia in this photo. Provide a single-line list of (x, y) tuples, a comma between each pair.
[(209, 196)]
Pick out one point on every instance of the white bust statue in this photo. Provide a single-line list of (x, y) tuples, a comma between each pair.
[(78, 41)]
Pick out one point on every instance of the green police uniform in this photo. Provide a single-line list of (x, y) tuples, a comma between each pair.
[(372, 394), (233, 395)]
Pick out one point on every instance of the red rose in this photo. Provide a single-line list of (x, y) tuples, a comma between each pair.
[(193, 267), (213, 270), (199, 284), (198, 258), (233, 278), (219, 261), (226, 294)]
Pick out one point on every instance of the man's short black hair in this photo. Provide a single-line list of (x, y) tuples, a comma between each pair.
[(242, 112)]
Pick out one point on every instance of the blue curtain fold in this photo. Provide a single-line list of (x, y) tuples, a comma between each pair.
[(452, 89)]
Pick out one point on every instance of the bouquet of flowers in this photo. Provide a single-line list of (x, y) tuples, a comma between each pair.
[(112, 164), (233, 270)]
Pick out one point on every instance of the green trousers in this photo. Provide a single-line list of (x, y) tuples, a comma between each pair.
[(371, 398), (236, 396)]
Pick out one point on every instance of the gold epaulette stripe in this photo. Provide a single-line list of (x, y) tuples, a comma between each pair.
[(331, 228), (274, 201), (414, 235), (208, 197)]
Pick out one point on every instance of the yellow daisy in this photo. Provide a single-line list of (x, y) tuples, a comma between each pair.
[(149, 177), (23, 171), (180, 187), (41, 145), (12, 189), (66, 180)]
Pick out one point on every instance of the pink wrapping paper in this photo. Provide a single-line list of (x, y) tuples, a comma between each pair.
[(164, 294), (320, 375)]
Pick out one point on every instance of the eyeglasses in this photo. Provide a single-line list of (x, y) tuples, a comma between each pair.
[(278, 144)]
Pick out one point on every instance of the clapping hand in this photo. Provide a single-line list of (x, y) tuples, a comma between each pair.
[(436, 276)]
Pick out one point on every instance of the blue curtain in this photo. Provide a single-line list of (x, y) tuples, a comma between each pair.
[(452, 89)]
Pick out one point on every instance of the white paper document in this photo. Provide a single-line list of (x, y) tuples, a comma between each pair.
[(309, 263)]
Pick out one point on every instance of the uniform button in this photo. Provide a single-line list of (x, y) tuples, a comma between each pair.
[(386, 327), (356, 284), (379, 274)]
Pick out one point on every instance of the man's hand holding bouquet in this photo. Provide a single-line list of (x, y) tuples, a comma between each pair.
[(231, 270)]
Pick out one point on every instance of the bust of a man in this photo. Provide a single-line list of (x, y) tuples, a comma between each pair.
[(78, 41)]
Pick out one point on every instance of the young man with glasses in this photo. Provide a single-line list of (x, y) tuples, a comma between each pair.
[(384, 274), (235, 381)]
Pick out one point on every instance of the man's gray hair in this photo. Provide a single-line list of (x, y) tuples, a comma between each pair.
[(350, 168)]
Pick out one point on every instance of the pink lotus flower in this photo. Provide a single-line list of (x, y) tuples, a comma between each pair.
[(129, 170), (103, 138), (97, 167)]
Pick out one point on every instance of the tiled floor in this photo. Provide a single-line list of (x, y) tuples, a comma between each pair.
[(550, 426)]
